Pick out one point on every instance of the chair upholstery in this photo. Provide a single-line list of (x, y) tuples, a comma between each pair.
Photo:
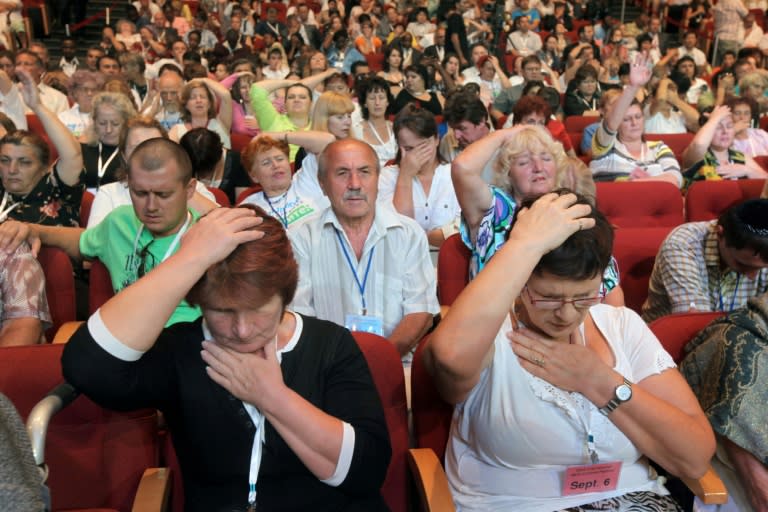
[(239, 141), (282, 10), (431, 415), (677, 142), (640, 204), (576, 124), (59, 287), (85, 208), (675, 331), (247, 192), (375, 61), (706, 200), (635, 250), (452, 269), (220, 195), (99, 286), (387, 371), (96, 457)]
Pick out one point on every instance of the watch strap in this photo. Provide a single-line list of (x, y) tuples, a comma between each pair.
[(615, 402)]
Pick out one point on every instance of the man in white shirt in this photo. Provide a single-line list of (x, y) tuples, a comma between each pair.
[(523, 42), (11, 103), (476, 51), (689, 48), (53, 100), (364, 265), (753, 33), (69, 62)]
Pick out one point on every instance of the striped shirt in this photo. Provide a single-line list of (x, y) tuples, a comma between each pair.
[(687, 275), (611, 157)]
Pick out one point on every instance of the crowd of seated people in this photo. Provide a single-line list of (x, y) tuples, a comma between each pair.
[(371, 133)]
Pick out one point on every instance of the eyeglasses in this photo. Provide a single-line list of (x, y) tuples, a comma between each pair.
[(142, 268), (553, 304)]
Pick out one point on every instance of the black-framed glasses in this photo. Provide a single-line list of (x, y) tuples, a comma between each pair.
[(553, 304), (146, 260)]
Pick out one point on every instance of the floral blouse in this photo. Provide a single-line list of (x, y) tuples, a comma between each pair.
[(494, 230), (50, 203), (706, 169)]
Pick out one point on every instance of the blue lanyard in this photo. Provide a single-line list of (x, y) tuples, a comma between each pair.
[(735, 290), (360, 287), (284, 217)]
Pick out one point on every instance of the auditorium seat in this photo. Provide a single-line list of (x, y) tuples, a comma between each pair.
[(96, 457), (677, 142), (706, 200), (59, 287), (220, 195), (239, 141), (635, 251), (247, 192), (640, 203), (387, 372), (452, 269), (85, 208), (576, 124), (675, 331)]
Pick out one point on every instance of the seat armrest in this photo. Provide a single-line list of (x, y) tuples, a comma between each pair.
[(154, 491), (431, 482), (66, 331), (41, 414), (709, 488)]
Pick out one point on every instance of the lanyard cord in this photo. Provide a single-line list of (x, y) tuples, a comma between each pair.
[(735, 291), (360, 286), (284, 217)]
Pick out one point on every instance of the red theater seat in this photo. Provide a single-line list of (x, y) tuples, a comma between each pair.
[(675, 331), (706, 200), (452, 269), (635, 250), (59, 287), (640, 203)]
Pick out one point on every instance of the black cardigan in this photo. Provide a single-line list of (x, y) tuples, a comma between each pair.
[(213, 433)]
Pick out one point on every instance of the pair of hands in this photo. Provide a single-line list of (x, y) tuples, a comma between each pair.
[(253, 377), (413, 161)]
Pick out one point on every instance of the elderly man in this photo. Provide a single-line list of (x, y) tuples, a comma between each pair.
[(169, 87), (361, 264), (712, 266), (132, 240), (52, 99)]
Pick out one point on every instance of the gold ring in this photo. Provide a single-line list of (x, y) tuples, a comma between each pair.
[(538, 361)]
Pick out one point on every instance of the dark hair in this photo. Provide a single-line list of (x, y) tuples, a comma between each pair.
[(585, 254), (193, 56), (31, 139), (254, 272), (173, 68), (680, 80), (421, 71), (584, 72), (735, 101), (684, 58), (7, 123), (745, 226), (235, 91), (643, 38), (387, 52), (464, 106), (155, 153), (527, 60), (369, 85), (357, 64), (419, 121), (204, 148)]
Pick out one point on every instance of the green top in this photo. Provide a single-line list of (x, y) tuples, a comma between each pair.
[(113, 241), (270, 120)]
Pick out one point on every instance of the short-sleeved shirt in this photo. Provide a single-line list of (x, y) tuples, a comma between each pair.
[(687, 275), (113, 241), (51, 203), (610, 157), (493, 232), (22, 287), (706, 168)]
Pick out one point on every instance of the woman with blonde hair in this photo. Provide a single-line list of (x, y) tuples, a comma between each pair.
[(529, 162), (198, 110), (332, 113), (102, 158), (753, 86)]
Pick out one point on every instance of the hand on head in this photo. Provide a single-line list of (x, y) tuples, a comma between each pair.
[(218, 233)]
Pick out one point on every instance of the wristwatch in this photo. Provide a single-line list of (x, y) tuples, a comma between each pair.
[(621, 394)]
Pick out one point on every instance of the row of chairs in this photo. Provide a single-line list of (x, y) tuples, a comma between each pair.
[(644, 213), (100, 459)]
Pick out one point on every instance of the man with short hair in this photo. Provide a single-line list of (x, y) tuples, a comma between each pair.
[(52, 99), (690, 39), (132, 240), (92, 57), (476, 51), (109, 66), (169, 87), (523, 42), (69, 62), (468, 118), (361, 264), (711, 266)]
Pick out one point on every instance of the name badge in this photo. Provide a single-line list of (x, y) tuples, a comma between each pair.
[(364, 323), (591, 478)]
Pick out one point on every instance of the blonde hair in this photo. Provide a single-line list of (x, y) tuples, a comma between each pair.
[(329, 104), (577, 176), (757, 78), (533, 139), (118, 101)]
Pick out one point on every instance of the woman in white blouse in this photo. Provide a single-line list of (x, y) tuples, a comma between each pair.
[(420, 185)]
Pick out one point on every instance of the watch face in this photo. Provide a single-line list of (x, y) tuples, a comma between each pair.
[(623, 392)]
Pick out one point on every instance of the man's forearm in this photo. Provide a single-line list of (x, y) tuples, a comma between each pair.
[(410, 330)]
